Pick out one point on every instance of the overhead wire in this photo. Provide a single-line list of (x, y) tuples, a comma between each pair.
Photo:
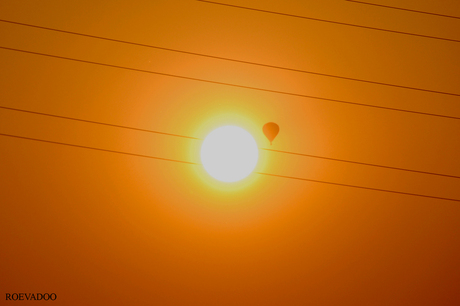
[(232, 59), (97, 149), (359, 187), (404, 9), (246, 62), (247, 87), (196, 138), (95, 122), (329, 21), (232, 85), (364, 164), (260, 173)]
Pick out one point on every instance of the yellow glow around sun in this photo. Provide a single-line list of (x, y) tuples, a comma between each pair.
[(229, 153)]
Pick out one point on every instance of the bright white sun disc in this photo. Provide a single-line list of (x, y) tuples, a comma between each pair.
[(229, 153)]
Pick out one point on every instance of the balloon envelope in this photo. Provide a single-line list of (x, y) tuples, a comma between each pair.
[(271, 130)]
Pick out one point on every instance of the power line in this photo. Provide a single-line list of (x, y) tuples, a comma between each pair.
[(330, 21), (96, 122), (364, 164), (261, 173), (359, 187), (233, 60), (195, 138), (98, 149), (232, 85), (404, 9)]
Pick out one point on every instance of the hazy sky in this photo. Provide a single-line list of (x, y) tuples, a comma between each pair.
[(102, 228)]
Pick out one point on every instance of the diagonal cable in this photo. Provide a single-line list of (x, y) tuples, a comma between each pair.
[(260, 173), (404, 9), (230, 84), (195, 138), (235, 60), (329, 21)]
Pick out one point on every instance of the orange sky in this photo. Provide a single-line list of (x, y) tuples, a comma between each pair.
[(100, 228)]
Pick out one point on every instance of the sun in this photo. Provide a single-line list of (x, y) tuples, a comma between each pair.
[(229, 153)]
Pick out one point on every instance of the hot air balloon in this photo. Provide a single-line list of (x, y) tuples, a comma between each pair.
[(271, 130)]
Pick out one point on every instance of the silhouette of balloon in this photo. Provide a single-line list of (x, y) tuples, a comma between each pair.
[(271, 130)]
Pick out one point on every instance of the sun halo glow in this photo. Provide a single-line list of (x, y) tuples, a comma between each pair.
[(229, 153)]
